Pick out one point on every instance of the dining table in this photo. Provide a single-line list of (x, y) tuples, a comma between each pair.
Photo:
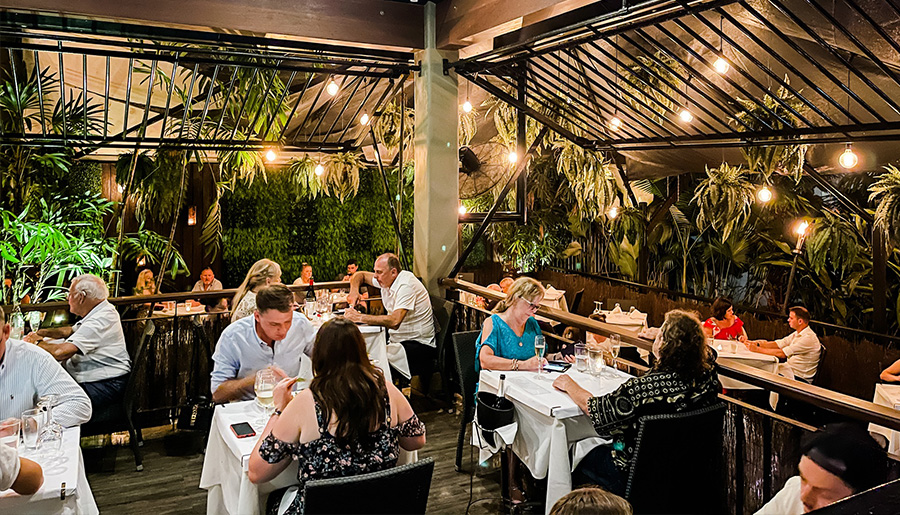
[(65, 490), (550, 424), (887, 395)]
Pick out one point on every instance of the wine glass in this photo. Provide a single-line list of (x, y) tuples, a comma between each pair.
[(599, 307), (615, 344), (50, 439), (540, 345), (264, 387)]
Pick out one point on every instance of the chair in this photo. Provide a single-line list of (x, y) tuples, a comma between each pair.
[(442, 310), (576, 302), (822, 351), (401, 489), (126, 422), (678, 464), (464, 349)]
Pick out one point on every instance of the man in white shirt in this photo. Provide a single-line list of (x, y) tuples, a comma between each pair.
[(801, 348), (94, 349), (27, 373), (24, 476), (275, 337), (207, 282), (837, 462), (409, 318)]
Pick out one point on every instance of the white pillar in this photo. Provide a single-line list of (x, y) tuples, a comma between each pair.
[(437, 162)]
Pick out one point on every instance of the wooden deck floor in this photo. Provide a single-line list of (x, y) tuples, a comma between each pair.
[(169, 484)]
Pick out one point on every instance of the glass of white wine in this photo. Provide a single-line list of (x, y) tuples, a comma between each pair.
[(615, 344), (540, 346), (265, 392)]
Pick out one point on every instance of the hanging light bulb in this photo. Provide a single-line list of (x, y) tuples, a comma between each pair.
[(849, 159), (319, 169), (615, 123), (721, 65), (120, 188), (513, 157), (613, 213), (332, 88), (142, 261), (271, 155), (364, 119), (462, 210), (686, 116), (764, 194), (467, 106)]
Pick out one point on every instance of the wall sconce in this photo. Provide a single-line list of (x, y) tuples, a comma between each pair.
[(192, 215)]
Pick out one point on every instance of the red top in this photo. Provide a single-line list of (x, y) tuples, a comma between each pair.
[(729, 333)]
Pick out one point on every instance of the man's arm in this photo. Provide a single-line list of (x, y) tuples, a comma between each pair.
[(56, 332), (233, 389), (59, 351), (391, 321), (74, 406), (892, 373), (357, 280), (777, 352)]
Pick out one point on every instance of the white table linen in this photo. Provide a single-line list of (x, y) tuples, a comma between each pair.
[(887, 395), (549, 423), (65, 491)]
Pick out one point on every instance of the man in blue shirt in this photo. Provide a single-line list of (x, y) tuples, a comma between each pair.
[(275, 337)]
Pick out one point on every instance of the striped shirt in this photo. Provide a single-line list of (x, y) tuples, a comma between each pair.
[(27, 373)]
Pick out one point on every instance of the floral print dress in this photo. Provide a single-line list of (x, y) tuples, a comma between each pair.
[(325, 458)]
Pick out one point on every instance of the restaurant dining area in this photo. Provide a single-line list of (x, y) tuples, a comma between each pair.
[(450, 257)]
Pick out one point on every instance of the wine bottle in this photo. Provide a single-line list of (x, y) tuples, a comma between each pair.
[(501, 392), (310, 293)]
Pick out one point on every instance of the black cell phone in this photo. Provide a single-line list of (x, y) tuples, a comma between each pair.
[(243, 430), (557, 366)]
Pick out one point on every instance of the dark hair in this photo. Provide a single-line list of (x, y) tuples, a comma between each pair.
[(392, 261), (683, 347), (800, 312), (352, 262), (720, 307), (850, 453), (591, 500), (274, 296), (304, 265), (346, 383), (207, 268)]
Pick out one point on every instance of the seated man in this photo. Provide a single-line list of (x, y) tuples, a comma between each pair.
[(837, 462), (801, 348), (94, 348), (208, 281), (409, 319), (892, 373), (27, 373), (274, 337), (24, 476)]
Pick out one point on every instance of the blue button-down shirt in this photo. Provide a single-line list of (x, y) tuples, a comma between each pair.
[(240, 352)]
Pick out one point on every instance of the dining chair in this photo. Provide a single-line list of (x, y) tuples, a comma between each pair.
[(822, 351), (678, 463), (576, 301), (464, 350), (442, 311), (402, 489)]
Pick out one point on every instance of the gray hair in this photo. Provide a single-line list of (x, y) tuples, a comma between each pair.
[(91, 286)]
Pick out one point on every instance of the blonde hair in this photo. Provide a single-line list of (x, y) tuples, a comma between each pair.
[(524, 288), (145, 281), (257, 276), (591, 500)]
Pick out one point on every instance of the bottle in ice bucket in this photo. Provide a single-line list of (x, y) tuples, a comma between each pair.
[(501, 392)]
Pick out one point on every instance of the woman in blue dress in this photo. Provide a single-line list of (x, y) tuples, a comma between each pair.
[(506, 341)]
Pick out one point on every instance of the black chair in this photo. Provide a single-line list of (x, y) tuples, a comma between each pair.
[(678, 464), (576, 301), (822, 351), (126, 421), (464, 350), (443, 321), (401, 489)]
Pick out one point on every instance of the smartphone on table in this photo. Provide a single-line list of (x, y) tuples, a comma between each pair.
[(243, 430), (557, 366)]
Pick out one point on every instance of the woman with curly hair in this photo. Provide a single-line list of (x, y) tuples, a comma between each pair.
[(683, 379)]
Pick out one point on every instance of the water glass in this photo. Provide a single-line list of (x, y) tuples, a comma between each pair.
[(9, 432), (596, 361), (323, 304), (32, 424), (581, 357), (309, 309)]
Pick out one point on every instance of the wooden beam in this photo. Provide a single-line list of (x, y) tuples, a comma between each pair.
[(381, 23)]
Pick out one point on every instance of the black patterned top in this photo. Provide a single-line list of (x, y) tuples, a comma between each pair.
[(324, 458), (615, 415)]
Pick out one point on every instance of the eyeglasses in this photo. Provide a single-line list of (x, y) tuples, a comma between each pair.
[(533, 307)]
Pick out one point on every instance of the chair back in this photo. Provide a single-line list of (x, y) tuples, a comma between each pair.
[(401, 489), (442, 309), (822, 351), (576, 301), (464, 349), (139, 359), (678, 464)]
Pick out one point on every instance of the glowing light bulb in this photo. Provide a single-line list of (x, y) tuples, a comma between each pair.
[(142, 261), (764, 194), (615, 123), (686, 116), (613, 213), (332, 88), (120, 188), (721, 66), (849, 159), (462, 210), (271, 155), (364, 119), (467, 106), (513, 157), (319, 169), (801, 228)]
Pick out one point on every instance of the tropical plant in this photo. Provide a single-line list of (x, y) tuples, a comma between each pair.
[(652, 84), (388, 126), (886, 192), (341, 175), (777, 114), (724, 199)]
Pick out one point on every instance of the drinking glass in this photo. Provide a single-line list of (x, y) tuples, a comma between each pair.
[(540, 345), (9, 432), (32, 424), (596, 360), (615, 344), (265, 392), (309, 309), (598, 308), (50, 439), (581, 357), (323, 303)]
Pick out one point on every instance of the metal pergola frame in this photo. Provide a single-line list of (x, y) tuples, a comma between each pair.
[(368, 80)]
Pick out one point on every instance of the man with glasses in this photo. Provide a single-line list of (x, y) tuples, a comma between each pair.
[(93, 349)]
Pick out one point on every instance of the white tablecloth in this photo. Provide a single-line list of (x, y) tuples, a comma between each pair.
[(549, 423), (65, 490), (887, 395)]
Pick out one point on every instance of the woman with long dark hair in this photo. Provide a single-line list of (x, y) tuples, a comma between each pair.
[(349, 421)]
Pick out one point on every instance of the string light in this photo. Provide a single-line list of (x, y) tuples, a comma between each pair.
[(513, 157), (849, 159), (319, 169), (686, 115), (721, 65), (615, 123), (613, 213), (271, 155), (332, 88), (364, 119), (467, 106), (764, 194), (462, 210)]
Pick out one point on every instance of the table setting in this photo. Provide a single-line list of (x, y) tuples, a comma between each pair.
[(887, 395)]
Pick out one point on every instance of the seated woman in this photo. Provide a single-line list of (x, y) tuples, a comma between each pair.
[(349, 421), (723, 324), (506, 341), (146, 284), (263, 273), (682, 379)]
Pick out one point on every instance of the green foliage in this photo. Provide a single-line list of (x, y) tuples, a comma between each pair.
[(766, 160), (387, 128), (833, 239), (724, 199), (886, 192), (652, 84), (341, 176)]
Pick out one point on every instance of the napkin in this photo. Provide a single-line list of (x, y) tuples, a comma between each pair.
[(503, 436), (616, 310)]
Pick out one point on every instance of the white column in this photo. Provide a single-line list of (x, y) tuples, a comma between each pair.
[(437, 162)]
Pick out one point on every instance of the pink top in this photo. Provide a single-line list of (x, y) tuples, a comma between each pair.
[(728, 333)]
